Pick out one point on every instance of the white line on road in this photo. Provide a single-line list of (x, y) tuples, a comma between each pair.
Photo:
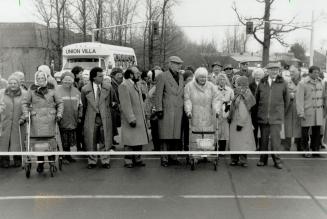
[(247, 196), (81, 197), (35, 197)]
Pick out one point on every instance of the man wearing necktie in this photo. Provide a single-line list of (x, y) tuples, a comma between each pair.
[(96, 104)]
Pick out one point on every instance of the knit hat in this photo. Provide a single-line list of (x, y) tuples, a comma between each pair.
[(242, 81), (13, 77), (45, 69), (67, 73)]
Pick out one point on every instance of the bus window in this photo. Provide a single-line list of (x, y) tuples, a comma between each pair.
[(102, 64), (85, 63)]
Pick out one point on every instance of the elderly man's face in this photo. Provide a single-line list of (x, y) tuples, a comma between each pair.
[(258, 76), (244, 66), (175, 67), (216, 69), (273, 72)]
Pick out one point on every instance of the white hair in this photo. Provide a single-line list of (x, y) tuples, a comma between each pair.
[(258, 71), (201, 71)]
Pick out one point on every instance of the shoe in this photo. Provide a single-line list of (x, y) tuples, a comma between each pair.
[(139, 164), (243, 164), (174, 162), (40, 168), (128, 165), (164, 163), (307, 155), (91, 166), (115, 142), (233, 163), (317, 156), (261, 164), (106, 166), (278, 166), (71, 160)]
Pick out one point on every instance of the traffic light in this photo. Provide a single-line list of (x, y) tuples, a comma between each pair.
[(155, 27), (249, 27)]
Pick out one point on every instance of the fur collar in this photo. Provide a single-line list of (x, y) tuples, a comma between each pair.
[(49, 86)]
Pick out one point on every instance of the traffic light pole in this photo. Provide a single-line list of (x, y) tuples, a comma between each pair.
[(115, 26)]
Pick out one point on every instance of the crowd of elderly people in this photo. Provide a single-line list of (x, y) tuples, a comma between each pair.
[(274, 109)]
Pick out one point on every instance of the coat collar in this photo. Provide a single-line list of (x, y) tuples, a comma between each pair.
[(179, 87)]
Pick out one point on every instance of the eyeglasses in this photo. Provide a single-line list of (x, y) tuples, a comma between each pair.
[(228, 69)]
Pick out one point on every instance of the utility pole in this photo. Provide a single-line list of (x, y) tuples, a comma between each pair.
[(312, 40)]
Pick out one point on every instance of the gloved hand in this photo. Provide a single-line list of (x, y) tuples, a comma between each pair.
[(160, 114), (58, 118), (21, 121), (227, 107), (217, 115), (239, 128), (189, 115), (133, 124), (79, 120), (143, 97)]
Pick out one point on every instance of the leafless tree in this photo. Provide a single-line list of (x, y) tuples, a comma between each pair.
[(270, 28), (44, 11), (234, 42)]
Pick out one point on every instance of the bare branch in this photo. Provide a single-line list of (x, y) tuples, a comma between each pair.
[(237, 13)]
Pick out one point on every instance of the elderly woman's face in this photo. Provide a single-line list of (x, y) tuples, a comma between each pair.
[(258, 76), (67, 81), (41, 80), (221, 81), (13, 84), (201, 79)]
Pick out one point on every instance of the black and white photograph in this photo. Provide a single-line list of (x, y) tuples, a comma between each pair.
[(163, 109)]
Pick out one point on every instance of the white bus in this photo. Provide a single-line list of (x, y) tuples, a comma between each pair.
[(95, 54)]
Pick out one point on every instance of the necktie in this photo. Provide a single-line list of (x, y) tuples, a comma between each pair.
[(98, 93)]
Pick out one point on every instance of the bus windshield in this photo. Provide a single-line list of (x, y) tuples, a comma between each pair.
[(85, 63)]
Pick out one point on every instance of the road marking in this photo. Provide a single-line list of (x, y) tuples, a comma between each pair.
[(35, 197), (299, 197), (80, 197)]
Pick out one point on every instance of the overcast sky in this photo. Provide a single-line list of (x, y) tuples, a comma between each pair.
[(213, 12)]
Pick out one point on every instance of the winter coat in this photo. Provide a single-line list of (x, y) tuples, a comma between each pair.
[(224, 95), (90, 111), (44, 108), (253, 87), (202, 103), (292, 123), (272, 101), (115, 108), (169, 100), (10, 116), (241, 140), (72, 107), (132, 109), (310, 102)]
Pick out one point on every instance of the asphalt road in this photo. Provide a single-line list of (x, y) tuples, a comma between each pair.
[(297, 191)]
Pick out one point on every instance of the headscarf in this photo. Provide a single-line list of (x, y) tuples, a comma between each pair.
[(243, 91), (67, 73), (40, 73), (10, 92)]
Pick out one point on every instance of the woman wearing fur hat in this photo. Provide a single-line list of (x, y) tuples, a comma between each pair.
[(11, 116), (241, 136)]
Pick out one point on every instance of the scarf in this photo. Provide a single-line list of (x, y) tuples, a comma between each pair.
[(13, 93), (245, 94)]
